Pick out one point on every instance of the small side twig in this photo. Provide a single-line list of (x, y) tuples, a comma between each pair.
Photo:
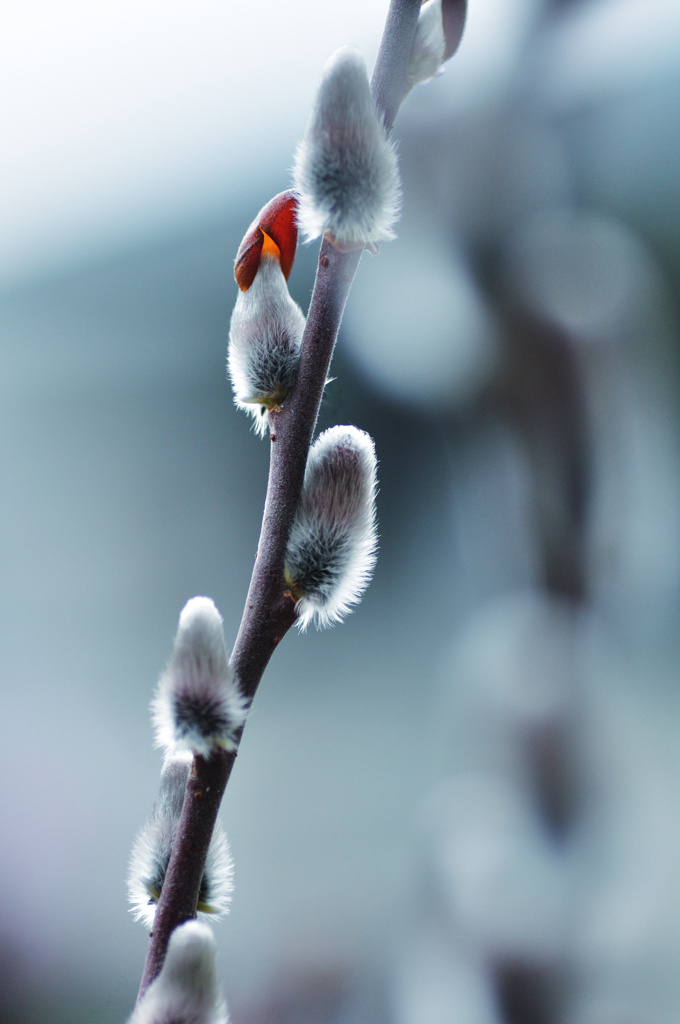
[(269, 612), (390, 83)]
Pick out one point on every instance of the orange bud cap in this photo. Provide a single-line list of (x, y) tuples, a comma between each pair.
[(274, 232)]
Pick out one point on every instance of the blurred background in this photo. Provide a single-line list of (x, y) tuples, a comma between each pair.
[(461, 805)]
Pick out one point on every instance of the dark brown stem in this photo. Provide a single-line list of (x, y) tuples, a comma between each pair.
[(204, 791), (269, 612)]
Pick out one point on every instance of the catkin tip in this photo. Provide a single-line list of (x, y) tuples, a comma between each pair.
[(187, 990), (198, 705)]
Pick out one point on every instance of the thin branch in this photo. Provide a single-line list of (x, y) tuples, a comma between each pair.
[(205, 788), (269, 612), (390, 83)]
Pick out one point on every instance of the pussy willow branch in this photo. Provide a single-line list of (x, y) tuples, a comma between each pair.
[(269, 612)]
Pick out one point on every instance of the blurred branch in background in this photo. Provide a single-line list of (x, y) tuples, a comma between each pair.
[(531, 909)]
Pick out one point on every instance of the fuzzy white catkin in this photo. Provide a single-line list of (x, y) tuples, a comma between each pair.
[(346, 167), (333, 543), (151, 850), (264, 343), (429, 45), (187, 990), (198, 705)]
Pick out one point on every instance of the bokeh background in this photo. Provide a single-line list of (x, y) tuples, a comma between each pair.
[(462, 804)]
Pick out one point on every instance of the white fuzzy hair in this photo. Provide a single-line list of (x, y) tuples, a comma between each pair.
[(187, 990), (429, 45), (151, 851), (333, 543), (264, 343), (198, 705), (346, 167)]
